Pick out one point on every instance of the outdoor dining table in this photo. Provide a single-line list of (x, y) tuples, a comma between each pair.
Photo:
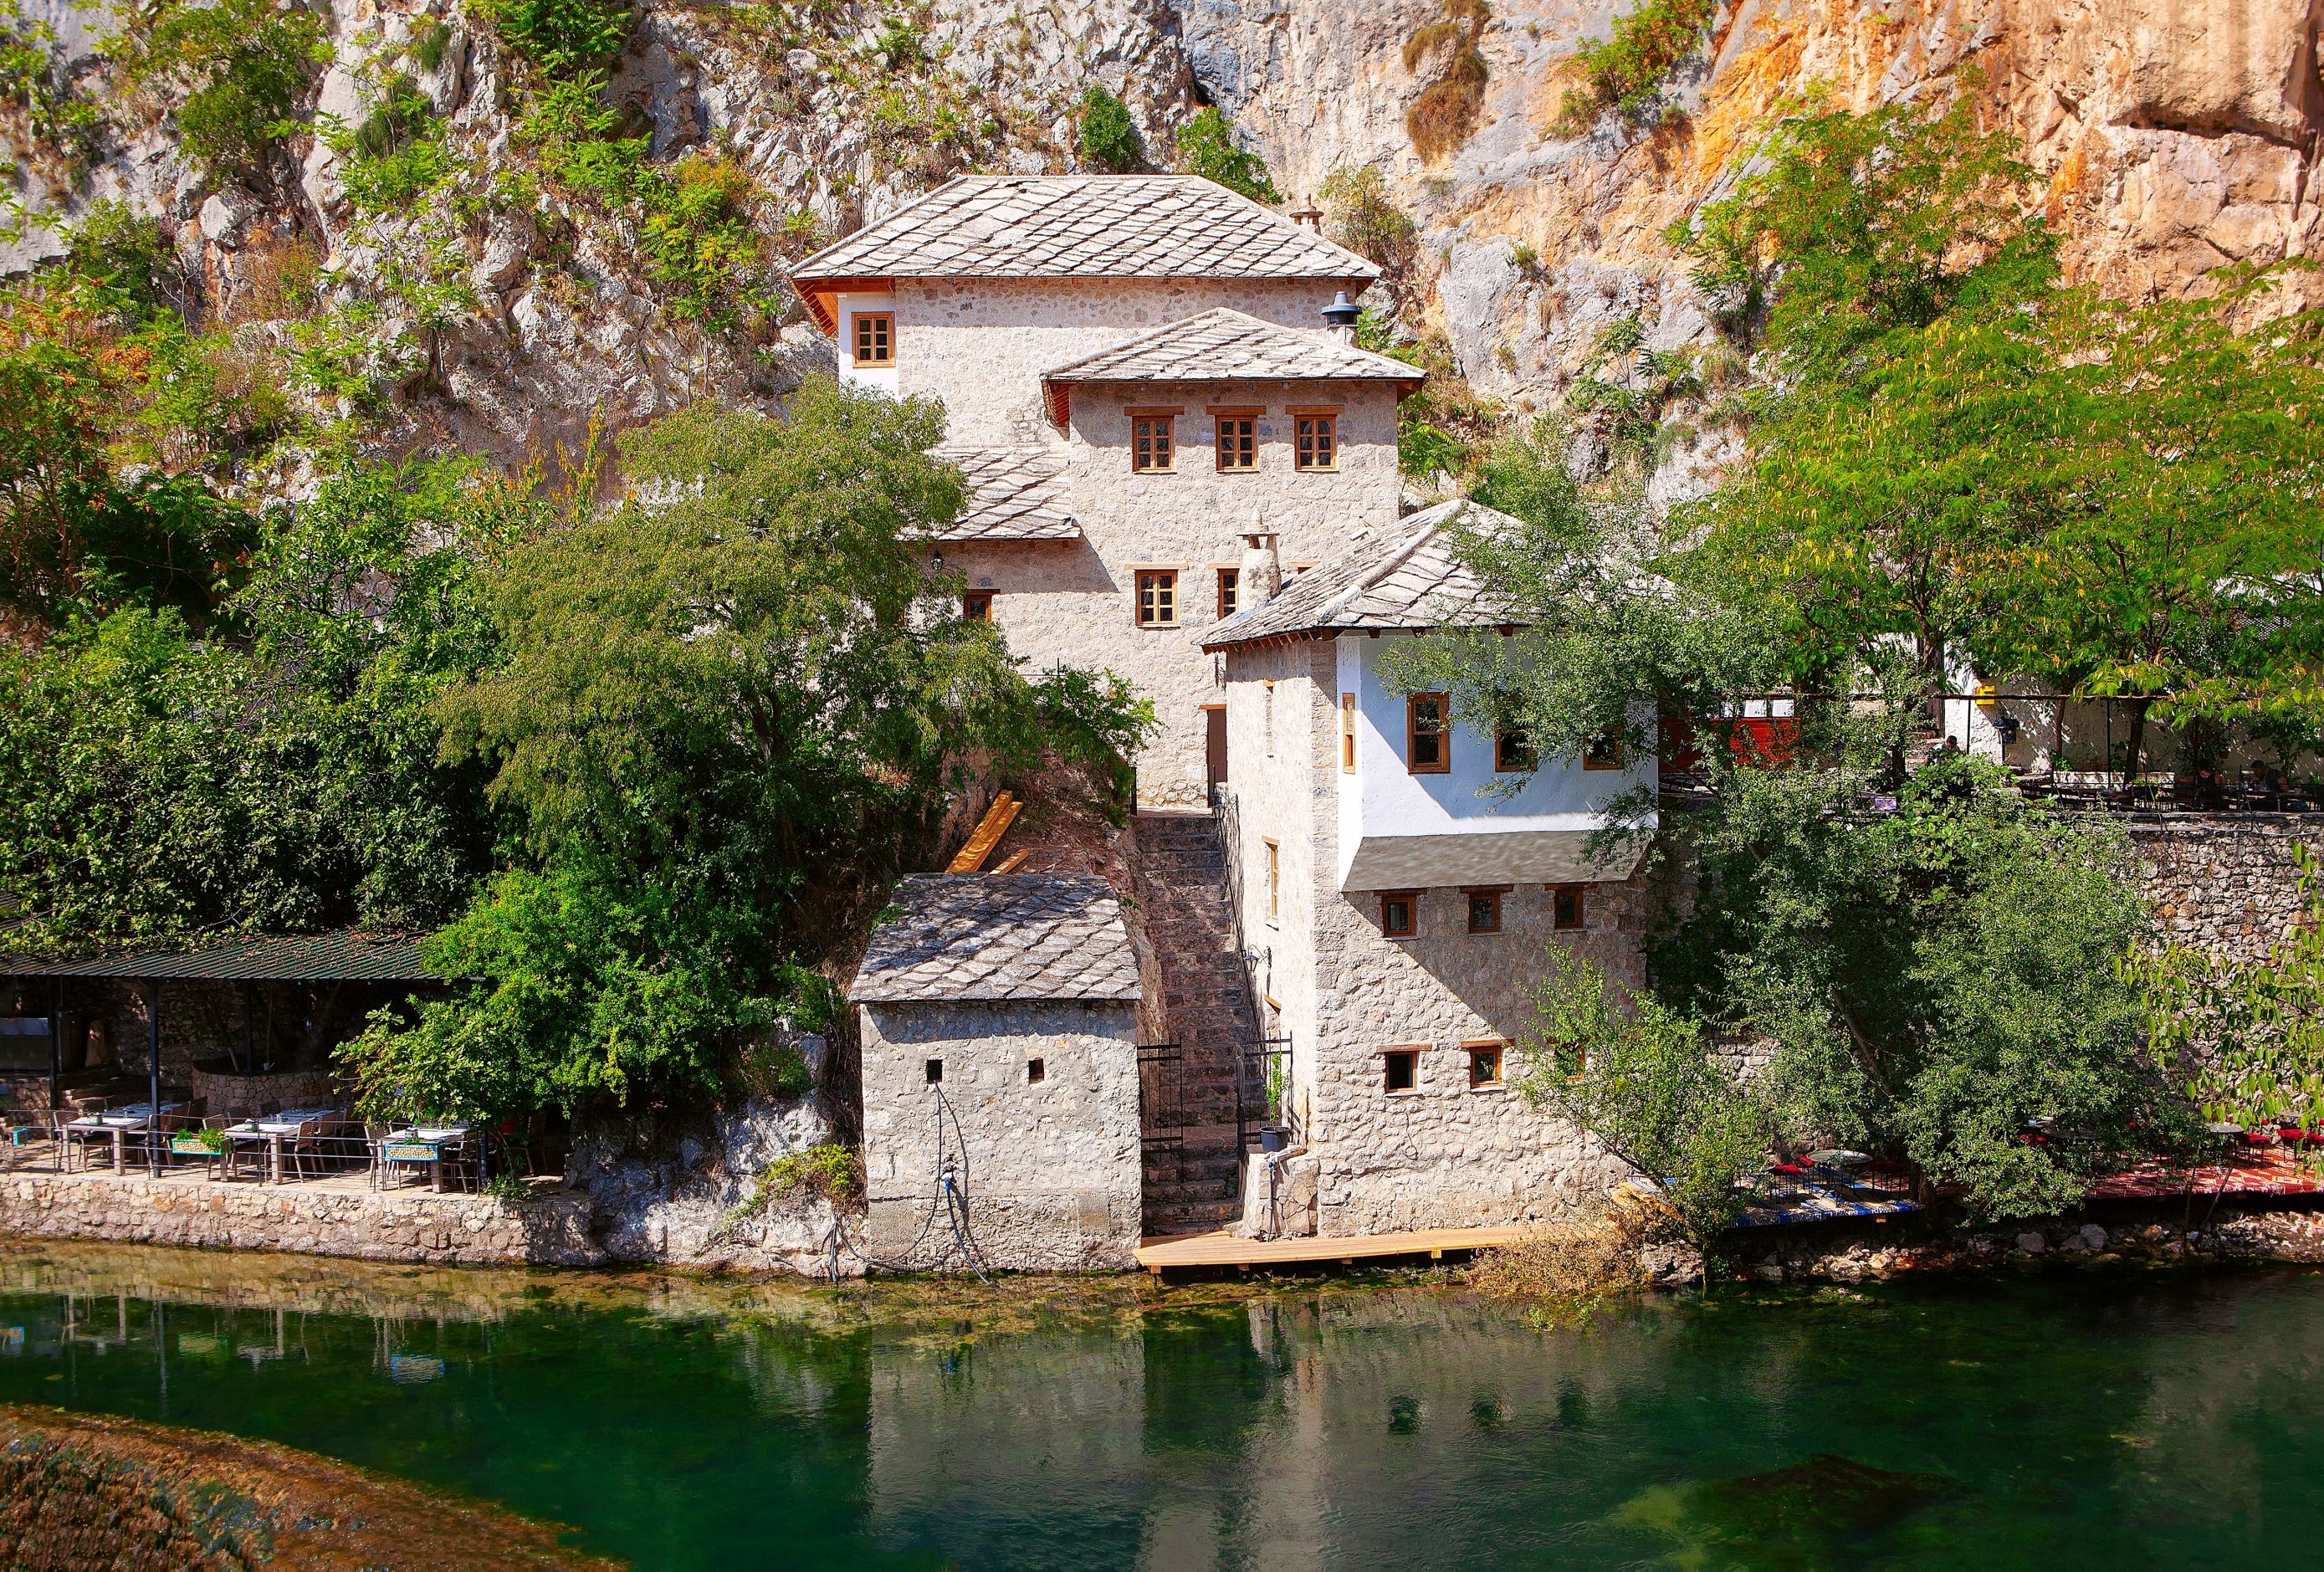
[(435, 1138), (131, 1116), (274, 1129)]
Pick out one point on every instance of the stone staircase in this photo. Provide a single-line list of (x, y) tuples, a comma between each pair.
[(1190, 1186)]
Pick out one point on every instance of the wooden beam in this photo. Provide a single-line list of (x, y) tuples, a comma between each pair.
[(989, 830), (1223, 1248), (1014, 861)]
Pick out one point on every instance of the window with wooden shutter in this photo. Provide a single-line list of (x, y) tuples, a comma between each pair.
[(1153, 444), (875, 339), (1427, 734), (1158, 598)]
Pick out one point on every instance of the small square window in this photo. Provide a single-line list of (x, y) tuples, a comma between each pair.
[(1484, 1064), (1568, 905), (1153, 444), (1400, 913), (1158, 598), (976, 606), (1318, 442), (935, 1071), (1036, 1072), (1512, 754), (1230, 591), (1427, 734), (1402, 1066), (1603, 751), (1237, 442), (875, 339), (1484, 911)]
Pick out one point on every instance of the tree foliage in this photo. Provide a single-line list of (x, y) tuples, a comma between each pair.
[(235, 71), (721, 714), (1628, 70), (1109, 138), (1207, 147), (1645, 1079)]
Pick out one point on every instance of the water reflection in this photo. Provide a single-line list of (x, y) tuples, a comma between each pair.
[(679, 1423)]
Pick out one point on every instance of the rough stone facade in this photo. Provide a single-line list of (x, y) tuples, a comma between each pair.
[(1047, 1168), (981, 344), (551, 1229), (1444, 1153), (2225, 883)]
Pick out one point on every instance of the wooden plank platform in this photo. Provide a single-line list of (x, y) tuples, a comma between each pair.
[(1195, 1250)]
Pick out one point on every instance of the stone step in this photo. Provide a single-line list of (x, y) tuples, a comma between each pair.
[(1191, 1218)]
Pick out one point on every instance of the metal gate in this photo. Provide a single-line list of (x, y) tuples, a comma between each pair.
[(1161, 1094)]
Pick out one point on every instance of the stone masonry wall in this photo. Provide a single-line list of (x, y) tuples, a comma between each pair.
[(1075, 602), (2225, 882), (1444, 1155), (551, 1229), (982, 345), (1050, 1169)]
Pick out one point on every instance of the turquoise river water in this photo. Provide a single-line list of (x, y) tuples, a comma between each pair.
[(2116, 1421)]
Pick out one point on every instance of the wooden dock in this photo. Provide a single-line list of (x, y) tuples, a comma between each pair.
[(1208, 1250)]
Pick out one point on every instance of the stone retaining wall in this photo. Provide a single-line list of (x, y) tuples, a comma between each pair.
[(551, 1229), (2225, 882)]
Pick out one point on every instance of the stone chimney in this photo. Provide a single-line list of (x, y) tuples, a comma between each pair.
[(1339, 319), (1307, 218), (1261, 575)]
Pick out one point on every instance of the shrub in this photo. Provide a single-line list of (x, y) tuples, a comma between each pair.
[(395, 155), (125, 250), (1109, 140), (1628, 70), (1363, 219), (1445, 114), (1206, 145), (563, 37), (242, 67)]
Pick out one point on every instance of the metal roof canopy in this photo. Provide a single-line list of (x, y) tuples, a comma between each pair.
[(346, 955)]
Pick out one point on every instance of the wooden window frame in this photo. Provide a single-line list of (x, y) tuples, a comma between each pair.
[(1347, 734), (1409, 1058), (1139, 577), (1501, 765), (1617, 763), (1411, 732), (1470, 895), (881, 324), (1475, 1051), (1410, 900), (1580, 894), (1273, 880), (1267, 716), (1168, 419), (1230, 591), (1324, 434), (1223, 416), (976, 605)]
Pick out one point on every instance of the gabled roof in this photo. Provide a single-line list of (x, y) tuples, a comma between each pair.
[(1075, 227), (346, 955), (1223, 345), (966, 937), (1405, 576), (1014, 493)]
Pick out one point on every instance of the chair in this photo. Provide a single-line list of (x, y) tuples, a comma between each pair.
[(79, 1130)]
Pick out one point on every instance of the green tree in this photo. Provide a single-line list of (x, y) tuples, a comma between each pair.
[(720, 718), (1207, 147), (1645, 1081)]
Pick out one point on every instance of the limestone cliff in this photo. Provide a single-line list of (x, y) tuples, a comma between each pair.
[(2175, 135)]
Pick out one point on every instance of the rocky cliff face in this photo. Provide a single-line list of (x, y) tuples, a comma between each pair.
[(2175, 135)]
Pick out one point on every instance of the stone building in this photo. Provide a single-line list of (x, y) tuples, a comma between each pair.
[(1138, 370), (1397, 908), (998, 1023)]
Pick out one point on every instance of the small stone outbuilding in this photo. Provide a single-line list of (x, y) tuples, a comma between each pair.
[(999, 1017)]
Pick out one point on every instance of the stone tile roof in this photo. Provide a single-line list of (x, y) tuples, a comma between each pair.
[(1227, 345), (1084, 226), (1014, 493), (1404, 576), (993, 936)]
